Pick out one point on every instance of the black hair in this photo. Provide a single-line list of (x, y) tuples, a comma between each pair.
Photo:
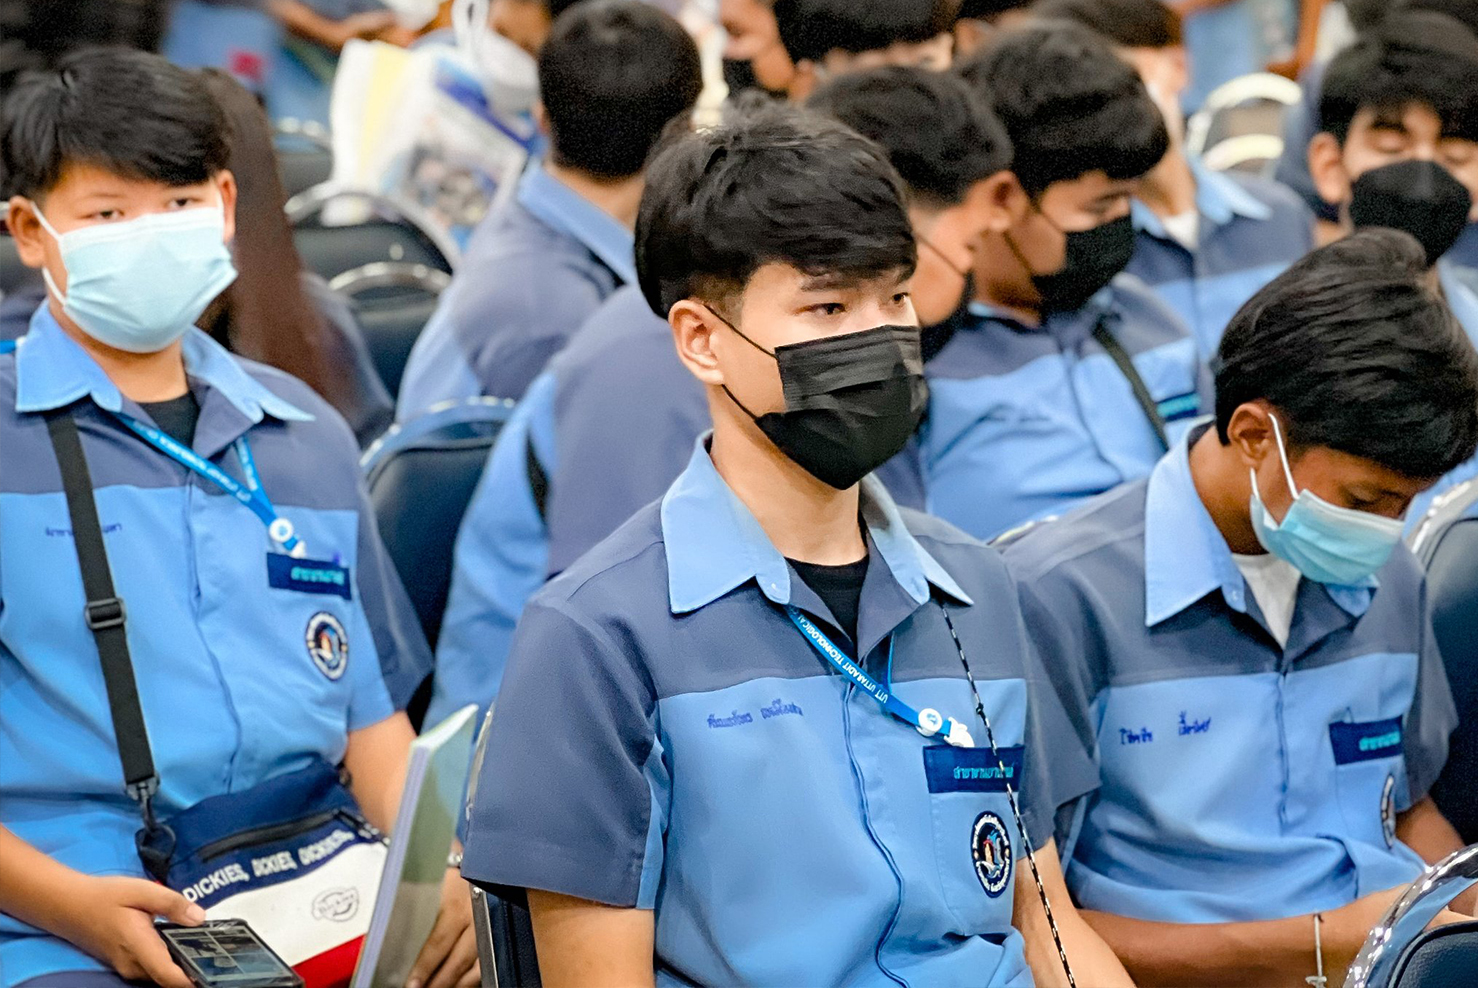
[(557, 7), (1411, 57), (1127, 23), (771, 184), (127, 112), (611, 76), (1357, 354), (1069, 104), (811, 28), (984, 10), (1461, 10), (940, 135)]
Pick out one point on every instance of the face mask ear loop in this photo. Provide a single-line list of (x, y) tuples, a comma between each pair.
[(45, 272), (1283, 455), (737, 332), (962, 272)]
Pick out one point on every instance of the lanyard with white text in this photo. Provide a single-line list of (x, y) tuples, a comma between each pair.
[(927, 722), (249, 494)]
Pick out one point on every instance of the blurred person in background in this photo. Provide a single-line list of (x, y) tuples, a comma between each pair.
[(1205, 241), (754, 57), (826, 38), (276, 312), (981, 20)]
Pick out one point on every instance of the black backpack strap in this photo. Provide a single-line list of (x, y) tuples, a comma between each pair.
[(1125, 363), (106, 618)]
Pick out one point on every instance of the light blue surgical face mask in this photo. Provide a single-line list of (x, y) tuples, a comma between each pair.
[(1324, 542), (138, 285)]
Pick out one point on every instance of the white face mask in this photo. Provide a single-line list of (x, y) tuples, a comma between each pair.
[(140, 284), (509, 75)]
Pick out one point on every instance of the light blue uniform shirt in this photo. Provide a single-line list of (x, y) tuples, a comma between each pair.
[(1250, 231), (232, 691), (1240, 780), (666, 739), (534, 271), (611, 424), (1026, 422)]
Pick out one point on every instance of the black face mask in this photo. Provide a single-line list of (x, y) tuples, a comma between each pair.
[(851, 402), (935, 338), (739, 76), (1419, 197), (1093, 258)]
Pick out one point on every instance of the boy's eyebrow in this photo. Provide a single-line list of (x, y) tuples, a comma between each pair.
[(826, 282)]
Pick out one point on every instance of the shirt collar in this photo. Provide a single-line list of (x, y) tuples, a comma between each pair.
[(1219, 199), (1460, 299), (564, 209), (52, 371), (1066, 326), (1185, 556), (714, 544)]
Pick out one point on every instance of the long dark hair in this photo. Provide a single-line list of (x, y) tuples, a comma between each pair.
[(266, 315)]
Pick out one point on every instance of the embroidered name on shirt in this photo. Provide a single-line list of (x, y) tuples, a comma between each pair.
[(66, 533), (951, 769), (308, 575), (1193, 726), (1142, 736), (779, 709), (1365, 742), (1180, 407), (734, 719)]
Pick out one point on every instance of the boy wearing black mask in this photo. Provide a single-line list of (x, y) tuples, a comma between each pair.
[(1399, 148), (737, 740), (1071, 378)]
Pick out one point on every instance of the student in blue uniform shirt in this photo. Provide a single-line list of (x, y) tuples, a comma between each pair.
[(611, 424), (611, 75), (1204, 240), (247, 670), (1032, 409), (829, 38), (1253, 639), (1399, 148), (720, 803)]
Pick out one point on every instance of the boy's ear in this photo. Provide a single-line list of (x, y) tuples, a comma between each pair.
[(1327, 169), (803, 81), (693, 326), (25, 227), (1250, 432), (1008, 201), (226, 185)]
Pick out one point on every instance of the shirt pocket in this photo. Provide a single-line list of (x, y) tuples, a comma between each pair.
[(977, 846), (1370, 776)]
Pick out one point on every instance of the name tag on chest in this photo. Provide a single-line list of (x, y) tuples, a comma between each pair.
[(1365, 742), (951, 769), (308, 575)]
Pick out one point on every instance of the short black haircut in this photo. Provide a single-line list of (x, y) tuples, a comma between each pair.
[(1070, 105), (984, 10), (1357, 354), (811, 28), (938, 132), (127, 112), (1461, 10), (1411, 57), (1127, 23), (611, 76), (772, 184)]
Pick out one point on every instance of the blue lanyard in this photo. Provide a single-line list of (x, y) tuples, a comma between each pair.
[(249, 494), (927, 722)]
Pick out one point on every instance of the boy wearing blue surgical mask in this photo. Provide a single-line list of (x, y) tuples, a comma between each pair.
[(265, 628), (1270, 708)]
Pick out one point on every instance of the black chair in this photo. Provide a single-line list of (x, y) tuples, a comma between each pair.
[(305, 155), (504, 928), (1398, 954), (1447, 544), (393, 303), (337, 230)]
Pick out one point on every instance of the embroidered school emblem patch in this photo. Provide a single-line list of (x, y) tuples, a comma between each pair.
[(1388, 811), (328, 644), (990, 846)]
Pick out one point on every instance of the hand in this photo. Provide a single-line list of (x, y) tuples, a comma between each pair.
[(449, 958), (367, 25), (115, 924)]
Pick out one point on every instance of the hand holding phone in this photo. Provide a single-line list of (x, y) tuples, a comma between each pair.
[(227, 954)]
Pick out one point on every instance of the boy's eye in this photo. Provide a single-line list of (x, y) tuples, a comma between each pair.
[(829, 308), (900, 298), (183, 202), (106, 214)]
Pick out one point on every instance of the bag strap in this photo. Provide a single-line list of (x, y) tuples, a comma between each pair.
[(538, 479), (1125, 363), (105, 614)]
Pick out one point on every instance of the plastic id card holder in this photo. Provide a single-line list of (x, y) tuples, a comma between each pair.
[(227, 954)]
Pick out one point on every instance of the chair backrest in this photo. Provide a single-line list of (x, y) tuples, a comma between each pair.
[(421, 476), (393, 303), (1446, 957), (1379, 963), (504, 928), (1240, 125), (302, 168), (1446, 542), (337, 230)]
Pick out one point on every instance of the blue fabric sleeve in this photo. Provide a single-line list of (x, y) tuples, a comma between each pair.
[(572, 796)]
